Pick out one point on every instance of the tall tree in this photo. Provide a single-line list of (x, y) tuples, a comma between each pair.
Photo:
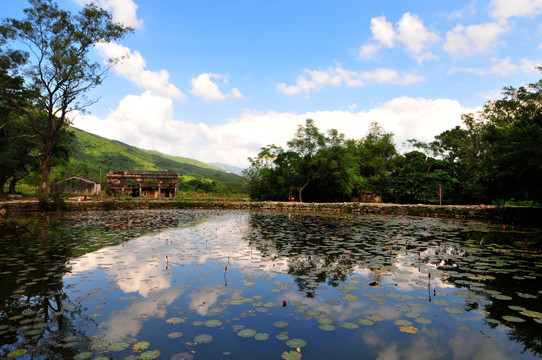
[(513, 157), (57, 67), (306, 142), (376, 153)]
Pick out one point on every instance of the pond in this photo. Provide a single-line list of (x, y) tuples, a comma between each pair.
[(200, 284)]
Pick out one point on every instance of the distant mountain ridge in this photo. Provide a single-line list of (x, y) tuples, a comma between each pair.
[(92, 156), (228, 168)]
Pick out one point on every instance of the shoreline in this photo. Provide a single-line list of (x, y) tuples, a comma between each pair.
[(515, 215)]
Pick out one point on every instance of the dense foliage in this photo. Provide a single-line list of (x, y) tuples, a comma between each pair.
[(46, 71), (496, 156)]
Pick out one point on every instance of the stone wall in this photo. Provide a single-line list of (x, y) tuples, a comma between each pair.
[(500, 214)]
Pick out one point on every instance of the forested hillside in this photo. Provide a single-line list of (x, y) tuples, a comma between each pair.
[(91, 153)]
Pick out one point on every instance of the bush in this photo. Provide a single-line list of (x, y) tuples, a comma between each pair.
[(54, 202)]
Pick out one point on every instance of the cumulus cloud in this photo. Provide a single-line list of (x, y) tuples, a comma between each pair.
[(383, 31), (463, 41), (132, 67), (503, 67), (316, 79), (147, 121), (410, 32), (505, 9), (205, 88), (124, 11)]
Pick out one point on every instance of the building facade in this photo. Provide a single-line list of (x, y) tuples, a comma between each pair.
[(146, 184), (77, 185)]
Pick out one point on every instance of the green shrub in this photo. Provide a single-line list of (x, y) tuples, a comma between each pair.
[(54, 202)]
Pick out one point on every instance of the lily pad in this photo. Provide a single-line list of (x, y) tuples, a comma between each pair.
[(213, 323), (326, 327), (375, 317), (175, 335), (175, 320), (291, 355), (182, 356), (118, 346), (247, 333), (16, 353), (83, 356), (261, 336), (325, 320), (296, 343), (99, 345), (513, 318), (365, 322), (408, 329), (203, 339), (349, 325), (280, 324), (282, 337), (533, 314), (402, 322), (350, 297), (149, 355), (423, 321), (140, 346)]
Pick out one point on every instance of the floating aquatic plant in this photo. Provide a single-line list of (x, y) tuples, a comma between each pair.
[(203, 339), (247, 333), (140, 346), (296, 343)]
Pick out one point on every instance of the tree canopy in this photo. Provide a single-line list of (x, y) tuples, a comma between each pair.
[(496, 156), (46, 71)]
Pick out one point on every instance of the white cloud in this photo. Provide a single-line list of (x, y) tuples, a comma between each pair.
[(383, 31), (369, 51), (474, 39), (415, 36), (124, 11), (132, 67), (410, 32), (205, 88), (503, 67), (338, 76), (147, 121), (505, 9)]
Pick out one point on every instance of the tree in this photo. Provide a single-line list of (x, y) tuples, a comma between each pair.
[(17, 149), (376, 155), (306, 142), (56, 68), (337, 172), (512, 131), (260, 174)]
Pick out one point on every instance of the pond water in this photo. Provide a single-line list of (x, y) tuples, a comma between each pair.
[(197, 284)]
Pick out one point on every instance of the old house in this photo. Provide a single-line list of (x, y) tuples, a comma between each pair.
[(77, 185), (149, 184), (368, 196)]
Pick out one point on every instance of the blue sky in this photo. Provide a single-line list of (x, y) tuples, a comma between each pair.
[(217, 80)]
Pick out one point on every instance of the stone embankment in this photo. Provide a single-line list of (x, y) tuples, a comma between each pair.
[(501, 214)]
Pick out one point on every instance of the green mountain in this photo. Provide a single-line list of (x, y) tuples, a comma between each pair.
[(92, 155)]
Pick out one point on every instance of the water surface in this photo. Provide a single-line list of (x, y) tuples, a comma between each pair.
[(198, 284)]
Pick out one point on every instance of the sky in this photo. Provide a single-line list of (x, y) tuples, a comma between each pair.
[(217, 80)]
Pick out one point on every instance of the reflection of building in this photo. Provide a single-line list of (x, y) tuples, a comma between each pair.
[(151, 184), (77, 185)]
